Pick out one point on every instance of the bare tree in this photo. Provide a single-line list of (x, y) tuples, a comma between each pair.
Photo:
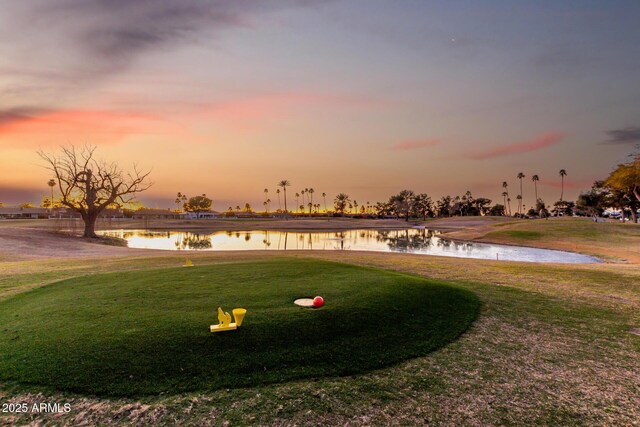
[(88, 186)]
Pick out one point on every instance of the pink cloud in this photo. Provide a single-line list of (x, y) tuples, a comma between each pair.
[(99, 125), (415, 144), (545, 140), (249, 112)]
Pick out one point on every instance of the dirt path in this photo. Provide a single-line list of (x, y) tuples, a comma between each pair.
[(28, 243)]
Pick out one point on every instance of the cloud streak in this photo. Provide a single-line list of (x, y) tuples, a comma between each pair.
[(253, 112), (73, 46), (415, 144), (628, 135), (543, 141), (48, 126), (12, 116), (110, 34)]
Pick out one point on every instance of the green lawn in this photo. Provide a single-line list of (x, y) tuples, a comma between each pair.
[(147, 332), (612, 241)]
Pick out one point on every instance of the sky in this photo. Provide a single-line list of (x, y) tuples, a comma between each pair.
[(364, 97)]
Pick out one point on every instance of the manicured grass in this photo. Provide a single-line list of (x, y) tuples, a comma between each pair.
[(610, 240), (519, 234), (147, 332)]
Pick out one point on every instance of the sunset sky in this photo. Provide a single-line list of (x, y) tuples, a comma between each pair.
[(363, 97)]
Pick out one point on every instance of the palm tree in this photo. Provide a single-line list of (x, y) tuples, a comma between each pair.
[(297, 202), (181, 199), (302, 194), (279, 204), (284, 184), (562, 173), (341, 201), (310, 191), (505, 186), (519, 197), (520, 177), (324, 196), (266, 194), (355, 206), (535, 179), (509, 204), (51, 183), (504, 196), (265, 207)]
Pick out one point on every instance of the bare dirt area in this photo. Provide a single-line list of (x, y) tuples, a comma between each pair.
[(17, 243)]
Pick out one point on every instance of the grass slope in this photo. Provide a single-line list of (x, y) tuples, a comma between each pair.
[(611, 240), (146, 332)]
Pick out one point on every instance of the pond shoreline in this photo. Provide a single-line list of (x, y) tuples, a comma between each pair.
[(419, 241), (28, 239)]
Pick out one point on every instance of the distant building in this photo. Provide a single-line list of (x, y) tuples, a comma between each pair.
[(112, 214), (155, 214), (199, 215), (23, 213)]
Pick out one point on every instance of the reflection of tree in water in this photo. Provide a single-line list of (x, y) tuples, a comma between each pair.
[(247, 237), (340, 237), (406, 240), (136, 233), (194, 241), (455, 245)]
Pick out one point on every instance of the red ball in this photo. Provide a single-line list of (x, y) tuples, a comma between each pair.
[(318, 302)]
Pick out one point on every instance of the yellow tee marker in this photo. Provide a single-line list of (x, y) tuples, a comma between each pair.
[(224, 320), (188, 263)]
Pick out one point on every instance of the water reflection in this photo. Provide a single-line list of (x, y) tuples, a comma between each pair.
[(419, 241)]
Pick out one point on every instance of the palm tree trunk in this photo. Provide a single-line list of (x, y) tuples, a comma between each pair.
[(285, 199), (562, 188), (521, 198)]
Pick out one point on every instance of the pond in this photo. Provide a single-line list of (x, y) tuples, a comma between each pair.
[(411, 240)]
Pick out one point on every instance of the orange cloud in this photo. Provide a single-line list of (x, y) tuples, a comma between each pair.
[(103, 124), (545, 140), (415, 145)]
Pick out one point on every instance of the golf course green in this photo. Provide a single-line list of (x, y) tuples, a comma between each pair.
[(147, 332)]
